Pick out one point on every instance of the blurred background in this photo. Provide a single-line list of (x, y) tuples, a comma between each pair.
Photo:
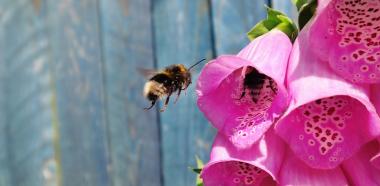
[(70, 95)]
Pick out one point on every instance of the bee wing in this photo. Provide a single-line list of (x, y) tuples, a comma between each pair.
[(147, 73)]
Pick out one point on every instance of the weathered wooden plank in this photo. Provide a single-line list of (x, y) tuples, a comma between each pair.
[(4, 163), (134, 133), (78, 79), (286, 7), (183, 35), (232, 20), (28, 95)]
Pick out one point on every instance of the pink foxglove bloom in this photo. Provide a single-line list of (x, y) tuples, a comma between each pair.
[(346, 33), (258, 165), (245, 117), (326, 137), (329, 119)]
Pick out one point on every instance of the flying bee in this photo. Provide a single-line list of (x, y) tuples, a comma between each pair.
[(167, 81), (254, 82)]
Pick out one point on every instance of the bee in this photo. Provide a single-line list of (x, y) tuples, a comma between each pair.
[(173, 78), (254, 82)]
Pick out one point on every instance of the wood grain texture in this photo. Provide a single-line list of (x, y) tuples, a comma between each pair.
[(78, 81), (134, 133), (183, 35), (4, 163), (287, 7), (25, 49), (232, 20)]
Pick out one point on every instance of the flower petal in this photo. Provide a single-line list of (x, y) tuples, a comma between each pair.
[(375, 160), (321, 124), (296, 172), (257, 165), (347, 33), (220, 87), (375, 96), (358, 168)]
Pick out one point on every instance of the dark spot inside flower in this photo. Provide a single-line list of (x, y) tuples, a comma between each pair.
[(323, 139), (323, 149), (336, 118), (329, 144), (371, 58), (318, 101), (316, 118), (318, 129), (331, 111), (328, 132), (308, 124)]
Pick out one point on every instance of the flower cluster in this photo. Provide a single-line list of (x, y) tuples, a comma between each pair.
[(302, 113)]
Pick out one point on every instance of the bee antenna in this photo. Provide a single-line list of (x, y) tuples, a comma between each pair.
[(196, 64)]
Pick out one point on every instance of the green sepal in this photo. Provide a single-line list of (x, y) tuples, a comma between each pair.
[(306, 13), (275, 20), (299, 3), (198, 170)]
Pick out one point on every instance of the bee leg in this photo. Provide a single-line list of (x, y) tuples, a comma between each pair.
[(166, 104), (147, 108), (176, 99)]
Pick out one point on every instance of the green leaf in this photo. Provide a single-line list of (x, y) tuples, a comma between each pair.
[(306, 13), (275, 20), (299, 3)]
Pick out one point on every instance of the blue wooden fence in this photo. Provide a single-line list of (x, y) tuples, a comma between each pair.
[(70, 96)]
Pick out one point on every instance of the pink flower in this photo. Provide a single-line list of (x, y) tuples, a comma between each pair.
[(329, 119), (270, 162), (346, 33), (258, 165), (244, 117), (375, 98), (327, 136)]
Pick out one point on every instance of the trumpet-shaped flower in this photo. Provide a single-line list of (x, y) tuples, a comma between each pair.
[(224, 96), (346, 33), (329, 119), (330, 131), (256, 165), (271, 162)]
